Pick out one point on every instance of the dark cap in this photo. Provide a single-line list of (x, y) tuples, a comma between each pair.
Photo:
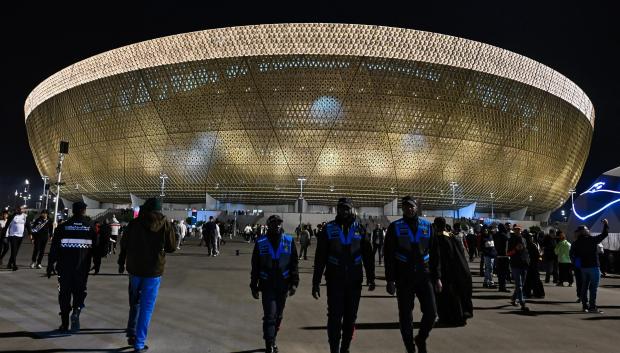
[(152, 204), (78, 206), (409, 200), (274, 218), (344, 201)]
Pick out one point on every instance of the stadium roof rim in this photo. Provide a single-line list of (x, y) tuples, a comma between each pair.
[(314, 39)]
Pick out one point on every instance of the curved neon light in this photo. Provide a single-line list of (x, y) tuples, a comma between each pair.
[(597, 187)]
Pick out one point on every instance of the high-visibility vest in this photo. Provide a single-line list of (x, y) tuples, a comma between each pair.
[(337, 242), (406, 239), (269, 255)]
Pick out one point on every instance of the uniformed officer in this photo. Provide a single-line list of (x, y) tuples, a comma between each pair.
[(341, 251), (275, 275), (70, 257), (411, 270)]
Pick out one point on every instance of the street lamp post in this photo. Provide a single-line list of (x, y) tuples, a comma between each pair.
[(300, 202), (63, 150), (453, 184), (45, 189), (162, 178), (492, 214)]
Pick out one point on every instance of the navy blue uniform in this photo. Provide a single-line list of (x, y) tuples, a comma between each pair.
[(341, 257), (412, 261), (71, 252), (274, 272)]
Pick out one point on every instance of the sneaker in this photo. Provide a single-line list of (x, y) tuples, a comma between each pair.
[(131, 341), (33, 265), (178, 248), (63, 329), (140, 350), (560, 284), (75, 320), (595, 311), (39, 266), (570, 284), (578, 300), (420, 344), (513, 302), (14, 268), (524, 308)]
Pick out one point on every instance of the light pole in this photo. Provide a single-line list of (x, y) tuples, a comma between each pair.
[(45, 189), (453, 184), (492, 214), (63, 150), (572, 201), (162, 178), (300, 201)]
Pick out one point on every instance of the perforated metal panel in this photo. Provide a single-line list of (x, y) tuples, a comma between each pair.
[(357, 114)]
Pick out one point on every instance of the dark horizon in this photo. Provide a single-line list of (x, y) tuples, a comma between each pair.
[(578, 40)]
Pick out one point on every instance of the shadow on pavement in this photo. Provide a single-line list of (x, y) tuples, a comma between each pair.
[(599, 318), (56, 350), (491, 297), (493, 307), (541, 312), (56, 333), (379, 296), (251, 351), (367, 326)]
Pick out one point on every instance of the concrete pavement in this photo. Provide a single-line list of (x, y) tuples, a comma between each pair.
[(205, 305)]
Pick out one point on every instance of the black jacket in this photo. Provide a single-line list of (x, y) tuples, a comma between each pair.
[(584, 250), (42, 227), (275, 281), (377, 237), (519, 258), (398, 271), (72, 246), (342, 273), (144, 244), (501, 243)]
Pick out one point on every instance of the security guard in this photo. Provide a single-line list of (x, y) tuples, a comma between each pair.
[(411, 270), (70, 257), (275, 275), (341, 250)]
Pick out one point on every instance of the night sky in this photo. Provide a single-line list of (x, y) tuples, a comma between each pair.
[(579, 39)]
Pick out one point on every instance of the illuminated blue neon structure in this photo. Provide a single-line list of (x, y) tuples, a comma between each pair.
[(596, 188)]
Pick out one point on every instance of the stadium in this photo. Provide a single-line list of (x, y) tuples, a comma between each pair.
[(243, 114)]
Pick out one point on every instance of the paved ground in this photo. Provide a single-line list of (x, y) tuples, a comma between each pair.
[(205, 306)]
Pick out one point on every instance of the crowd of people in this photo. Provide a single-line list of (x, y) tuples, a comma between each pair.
[(423, 260)]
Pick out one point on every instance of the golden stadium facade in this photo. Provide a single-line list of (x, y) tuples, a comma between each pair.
[(369, 112)]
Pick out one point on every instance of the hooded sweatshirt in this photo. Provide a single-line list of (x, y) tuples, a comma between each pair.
[(145, 243)]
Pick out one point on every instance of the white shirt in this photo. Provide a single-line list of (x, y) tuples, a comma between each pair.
[(16, 228), (217, 232), (114, 227)]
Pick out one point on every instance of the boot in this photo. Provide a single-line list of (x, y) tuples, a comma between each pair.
[(269, 347), (64, 322), (409, 346), (75, 320), (344, 347), (334, 347), (420, 343)]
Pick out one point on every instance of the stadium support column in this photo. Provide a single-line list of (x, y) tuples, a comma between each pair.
[(210, 202), (90, 203), (467, 211), (543, 217), (391, 208), (519, 215), (135, 201)]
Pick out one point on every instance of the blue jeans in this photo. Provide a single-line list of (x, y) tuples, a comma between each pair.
[(518, 275), (488, 269), (142, 296), (590, 278)]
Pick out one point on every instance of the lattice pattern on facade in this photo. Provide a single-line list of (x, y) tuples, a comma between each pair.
[(373, 127)]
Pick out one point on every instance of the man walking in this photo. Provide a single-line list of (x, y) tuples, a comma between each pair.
[(41, 233), (70, 257), (304, 242), (502, 265), (340, 252), (519, 263), (144, 245), (584, 251), (412, 269), (377, 242), (275, 275), (17, 227)]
